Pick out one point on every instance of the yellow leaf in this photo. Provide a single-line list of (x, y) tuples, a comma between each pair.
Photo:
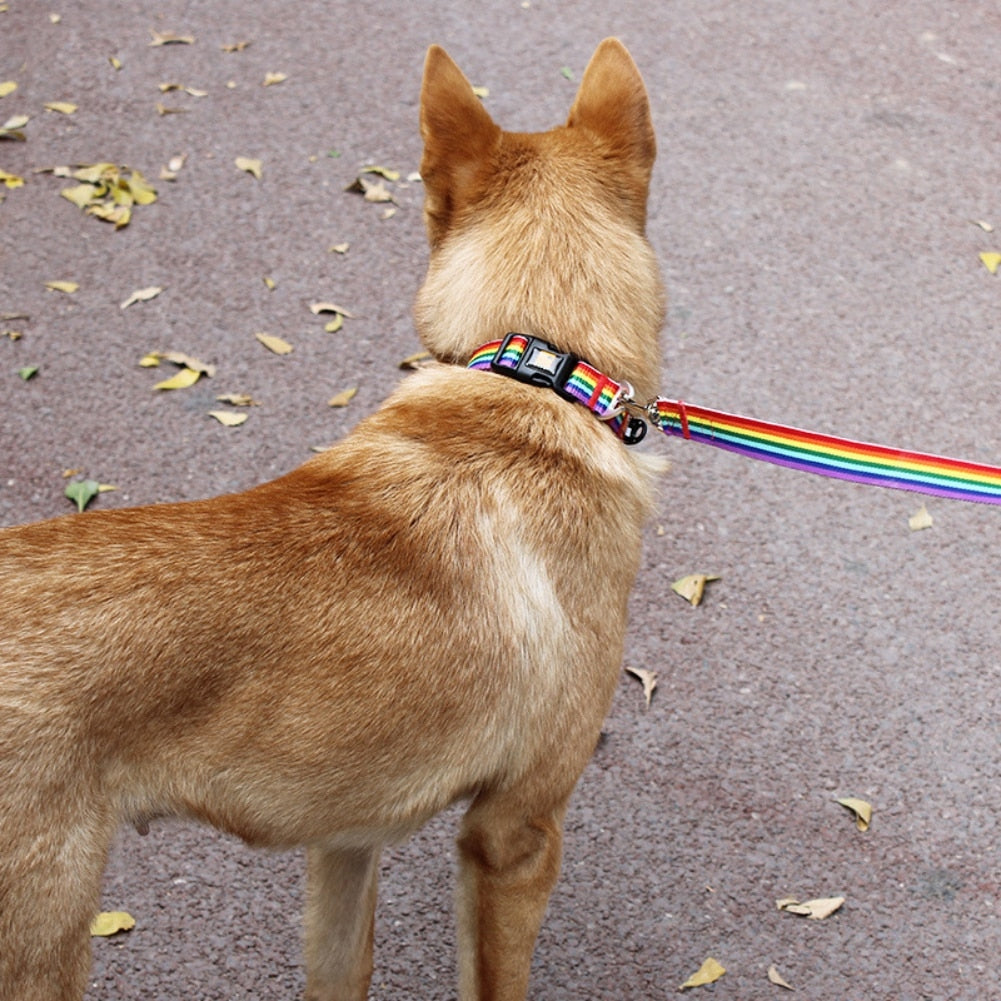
[(386, 172), (118, 214), (111, 922), (63, 107), (275, 344), (234, 46), (418, 360), (249, 165), (96, 172), (238, 400), (58, 286), (142, 295), (11, 180), (816, 910), (272, 78), (270, 282), (116, 63), (228, 417), (343, 398), (692, 587), (335, 324), (920, 519), (329, 307), (7, 87), (339, 248), (992, 261), (80, 194), (152, 360), (481, 92), (649, 679), (776, 978), (143, 193), (186, 377), (170, 38), (861, 809), (186, 361), (708, 973)]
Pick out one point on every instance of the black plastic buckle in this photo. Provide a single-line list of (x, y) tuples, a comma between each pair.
[(633, 430), (540, 364)]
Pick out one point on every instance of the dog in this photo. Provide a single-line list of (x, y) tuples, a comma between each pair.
[(431, 611)]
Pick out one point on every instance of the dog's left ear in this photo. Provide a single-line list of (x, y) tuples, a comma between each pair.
[(458, 137), (612, 102)]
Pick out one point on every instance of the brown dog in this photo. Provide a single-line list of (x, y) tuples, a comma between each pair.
[(431, 611)]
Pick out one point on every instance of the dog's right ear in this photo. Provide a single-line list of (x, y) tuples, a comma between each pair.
[(458, 137)]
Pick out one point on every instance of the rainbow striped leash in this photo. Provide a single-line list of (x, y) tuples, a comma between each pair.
[(534, 361)]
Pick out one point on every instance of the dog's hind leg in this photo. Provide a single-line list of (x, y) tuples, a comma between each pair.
[(50, 888), (340, 913), (509, 860)]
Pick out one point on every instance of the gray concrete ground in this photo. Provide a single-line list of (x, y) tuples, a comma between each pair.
[(821, 172)]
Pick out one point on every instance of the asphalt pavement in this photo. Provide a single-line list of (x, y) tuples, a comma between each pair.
[(828, 180)]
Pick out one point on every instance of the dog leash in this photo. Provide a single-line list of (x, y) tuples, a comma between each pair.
[(535, 361)]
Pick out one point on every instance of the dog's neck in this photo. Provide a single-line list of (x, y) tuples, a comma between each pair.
[(537, 362)]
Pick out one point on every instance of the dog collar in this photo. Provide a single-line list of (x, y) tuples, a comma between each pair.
[(536, 362)]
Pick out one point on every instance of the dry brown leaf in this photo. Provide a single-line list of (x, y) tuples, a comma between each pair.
[(343, 398), (228, 418), (776, 978), (142, 295), (274, 344), (418, 360), (861, 809), (235, 46), (250, 165), (816, 910), (649, 680), (708, 973), (692, 587)]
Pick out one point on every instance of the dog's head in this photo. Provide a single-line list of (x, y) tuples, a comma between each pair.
[(542, 233)]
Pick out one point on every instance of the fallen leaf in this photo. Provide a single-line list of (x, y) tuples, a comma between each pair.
[(28, 372), (275, 344), (991, 260), (374, 191), (329, 307), (270, 79), (983, 224), (175, 163), (170, 38), (816, 910), (11, 129), (111, 922), (339, 248), (228, 417), (162, 109), (418, 360), (55, 18), (776, 978), (59, 286), (708, 973), (11, 180), (386, 172), (649, 679), (234, 46), (82, 492), (861, 809), (238, 400), (116, 63), (920, 519), (63, 107), (335, 324), (692, 587), (481, 92), (152, 360), (7, 87), (343, 398), (270, 283), (142, 295), (182, 380), (186, 361), (249, 165)]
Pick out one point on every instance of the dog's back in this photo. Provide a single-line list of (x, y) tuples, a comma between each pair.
[(432, 610)]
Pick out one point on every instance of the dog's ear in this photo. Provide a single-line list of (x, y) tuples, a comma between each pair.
[(458, 137), (612, 102)]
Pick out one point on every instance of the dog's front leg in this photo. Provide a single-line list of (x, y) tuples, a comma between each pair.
[(340, 913), (509, 859)]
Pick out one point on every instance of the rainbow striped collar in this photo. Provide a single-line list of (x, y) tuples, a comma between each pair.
[(537, 362)]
